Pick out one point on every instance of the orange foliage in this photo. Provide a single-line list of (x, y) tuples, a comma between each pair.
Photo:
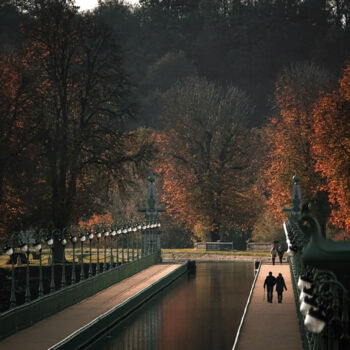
[(97, 219), (289, 137), (331, 148)]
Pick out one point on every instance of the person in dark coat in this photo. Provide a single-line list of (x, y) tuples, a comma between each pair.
[(273, 253), (270, 281), (280, 285), (280, 253)]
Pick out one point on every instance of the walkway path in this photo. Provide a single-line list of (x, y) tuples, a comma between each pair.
[(51, 330), (271, 326)]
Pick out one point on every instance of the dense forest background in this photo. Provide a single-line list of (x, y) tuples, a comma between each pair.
[(224, 99)]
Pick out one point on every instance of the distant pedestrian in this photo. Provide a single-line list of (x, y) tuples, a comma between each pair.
[(280, 253), (273, 253), (280, 285), (270, 281)]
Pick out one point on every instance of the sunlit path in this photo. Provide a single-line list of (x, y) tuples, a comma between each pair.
[(275, 325), (51, 330)]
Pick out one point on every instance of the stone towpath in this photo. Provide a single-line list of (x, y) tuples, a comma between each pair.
[(51, 330), (270, 326)]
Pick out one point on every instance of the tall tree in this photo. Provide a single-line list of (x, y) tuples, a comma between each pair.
[(290, 132), (82, 99), (205, 156), (331, 148)]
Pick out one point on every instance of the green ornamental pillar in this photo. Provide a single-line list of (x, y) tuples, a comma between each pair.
[(151, 242)]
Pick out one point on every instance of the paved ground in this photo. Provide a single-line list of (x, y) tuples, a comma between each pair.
[(51, 330), (271, 326)]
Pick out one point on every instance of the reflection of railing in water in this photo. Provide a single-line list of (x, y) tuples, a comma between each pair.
[(319, 269), (142, 334)]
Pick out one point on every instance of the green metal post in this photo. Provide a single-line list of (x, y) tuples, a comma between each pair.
[(90, 253), (127, 246), (74, 240), (52, 282), (63, 278), (105, 252), (132, 246), (13, 287), (82, 275), (111, 264), (116, 249), (138, 247), (98, 253), (41, 288), (27, 294), (123, 239)]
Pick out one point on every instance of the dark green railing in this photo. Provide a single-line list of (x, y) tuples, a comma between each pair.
[(320, 277), (36, 286)]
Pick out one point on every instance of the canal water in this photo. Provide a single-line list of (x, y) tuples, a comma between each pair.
[(202, 311)]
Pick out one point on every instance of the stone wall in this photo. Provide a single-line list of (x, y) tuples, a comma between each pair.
[(259, 246)]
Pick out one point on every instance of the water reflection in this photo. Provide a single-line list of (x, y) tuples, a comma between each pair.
[(201, 312)]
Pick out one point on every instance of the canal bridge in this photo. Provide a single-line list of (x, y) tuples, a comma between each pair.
[(95, 287), (315, 313)]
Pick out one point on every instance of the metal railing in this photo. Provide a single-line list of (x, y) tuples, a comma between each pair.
[(320, 277), (30, 270)]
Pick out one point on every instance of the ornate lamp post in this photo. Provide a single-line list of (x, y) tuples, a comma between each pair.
[(82, 240), (143, 248), (125, 231), (139, 228), (74, 240), (119, 232), (149, 245), (63, 241), (91, 236), (134, 229), (113, 234), (25, 249), (49, 242), (128, 242), (98, 235), (9, 251), (38, 248), (106, 234)]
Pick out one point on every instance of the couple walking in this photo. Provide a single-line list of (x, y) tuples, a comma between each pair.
[(276, 251), (270, 281)]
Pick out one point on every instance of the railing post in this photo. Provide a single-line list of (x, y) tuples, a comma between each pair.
[(82, 240), (119, 231), (25, 249), (9, 250), (111, 263), (98, 235), (74, 241), (104, 252), (132, 242), (63, 241), (41, 288), (50, 243), (91, 236), (123, 241), (127, 244)]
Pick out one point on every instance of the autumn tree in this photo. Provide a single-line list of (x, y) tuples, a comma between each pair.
[(14, 142), (289, 137), (331, 148), (205, 152), (82, 100)]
